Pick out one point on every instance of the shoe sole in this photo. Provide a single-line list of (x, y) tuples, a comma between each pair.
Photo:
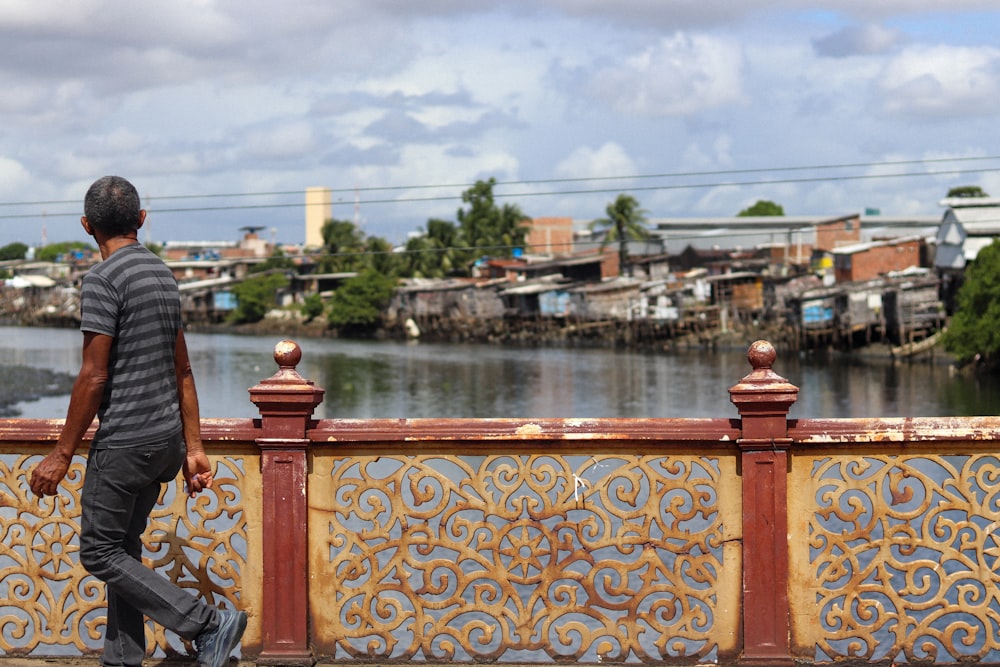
[(240, 628)]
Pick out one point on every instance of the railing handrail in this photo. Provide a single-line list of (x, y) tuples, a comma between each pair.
[(675, 430)]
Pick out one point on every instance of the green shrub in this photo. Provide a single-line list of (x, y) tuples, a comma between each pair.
[(358, 304), (973, 332), (255, 296)]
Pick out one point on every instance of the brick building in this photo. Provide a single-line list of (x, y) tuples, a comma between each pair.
[(864, 261)]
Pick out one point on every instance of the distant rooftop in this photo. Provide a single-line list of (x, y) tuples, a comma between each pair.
[(968, 202), (200, 244)]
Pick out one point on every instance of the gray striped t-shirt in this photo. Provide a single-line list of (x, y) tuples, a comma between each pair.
[(132, 296)]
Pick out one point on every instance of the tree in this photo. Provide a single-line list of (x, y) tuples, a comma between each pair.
[(256, 295), (483, 228), (966, 191), (346, 248), (14, 250), (277, 261), (493, 230), (973, 332), (763, 207), (357, 305), (625, 221), (380, 257), (343, 245), (54, 251), (312, 307), (435, 253)]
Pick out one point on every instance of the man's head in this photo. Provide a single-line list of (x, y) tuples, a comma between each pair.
[(112, 207)]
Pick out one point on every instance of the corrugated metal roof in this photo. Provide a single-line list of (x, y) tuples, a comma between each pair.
[(545, 284), (447, 284), (30, 280), (557, 263), (978, 217), (195, 285), (972, 246), (614, 285), (861, 247)]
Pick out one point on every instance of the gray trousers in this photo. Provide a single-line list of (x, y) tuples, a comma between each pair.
[(119, 491)]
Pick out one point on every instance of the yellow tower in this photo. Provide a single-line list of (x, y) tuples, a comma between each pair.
[(319, 209)]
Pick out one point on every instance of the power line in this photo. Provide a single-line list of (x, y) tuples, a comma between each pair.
[(683, 174), (551, 193)]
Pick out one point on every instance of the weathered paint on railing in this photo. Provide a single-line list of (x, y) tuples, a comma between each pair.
[(49, 606), (755, 540), (589, 550)]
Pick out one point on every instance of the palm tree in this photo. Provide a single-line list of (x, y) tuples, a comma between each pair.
[(343, 246), (625, 221)]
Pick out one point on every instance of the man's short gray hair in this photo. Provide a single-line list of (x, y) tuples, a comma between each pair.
[(112, 206)]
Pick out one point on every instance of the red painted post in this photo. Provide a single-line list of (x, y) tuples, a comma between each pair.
[(286, 402), (763, 398)]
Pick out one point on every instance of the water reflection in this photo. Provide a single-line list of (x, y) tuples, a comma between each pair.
[(397, 380), (844, 385)]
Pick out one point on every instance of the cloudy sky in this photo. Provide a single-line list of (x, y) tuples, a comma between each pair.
[(222, 112)]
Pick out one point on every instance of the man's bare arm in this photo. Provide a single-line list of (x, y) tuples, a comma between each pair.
[(84, 402), (197, 468)]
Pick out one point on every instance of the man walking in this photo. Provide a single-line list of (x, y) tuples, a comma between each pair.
[(136, 378)]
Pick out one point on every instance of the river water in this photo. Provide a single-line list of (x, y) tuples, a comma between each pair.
[(396, 379)]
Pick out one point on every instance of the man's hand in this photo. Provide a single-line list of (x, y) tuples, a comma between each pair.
[(197, 473), (46, 476)]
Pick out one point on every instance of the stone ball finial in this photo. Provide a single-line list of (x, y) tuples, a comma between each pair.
[(287, 354), (761, 355)]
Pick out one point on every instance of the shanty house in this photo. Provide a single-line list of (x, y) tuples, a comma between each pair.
[(967, 227)]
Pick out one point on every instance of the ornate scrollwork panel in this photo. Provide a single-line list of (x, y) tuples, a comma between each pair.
[(897, 556), (49, 605), (524, 557)]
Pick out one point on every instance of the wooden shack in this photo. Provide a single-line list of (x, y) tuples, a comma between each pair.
[(739, 296), (913, 308), (860, 313), (543, 297), (609, 300), (426, 300), (814, 315)]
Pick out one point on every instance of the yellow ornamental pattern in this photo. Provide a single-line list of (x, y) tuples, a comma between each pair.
[(47, 599), (902, 559), (532, 557)]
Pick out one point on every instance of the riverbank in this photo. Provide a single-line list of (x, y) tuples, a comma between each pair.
[(23, 383), (611, 334)]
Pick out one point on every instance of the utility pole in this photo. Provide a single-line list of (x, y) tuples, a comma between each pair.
[(357, 206)]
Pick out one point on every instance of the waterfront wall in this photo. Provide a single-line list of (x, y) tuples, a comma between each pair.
[(750, 538)]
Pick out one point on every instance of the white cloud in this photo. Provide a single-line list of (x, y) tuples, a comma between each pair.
[(942, 81), (204, 96), (14, 178), (716, 153), (607, 161), (279, 141), (680, 75)]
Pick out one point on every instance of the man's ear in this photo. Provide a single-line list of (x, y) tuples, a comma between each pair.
[(86, 226), (142, 218)]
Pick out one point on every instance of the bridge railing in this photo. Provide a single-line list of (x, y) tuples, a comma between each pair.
[(751, 539)]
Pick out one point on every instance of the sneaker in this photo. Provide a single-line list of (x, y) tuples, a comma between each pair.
[(215, 646)]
